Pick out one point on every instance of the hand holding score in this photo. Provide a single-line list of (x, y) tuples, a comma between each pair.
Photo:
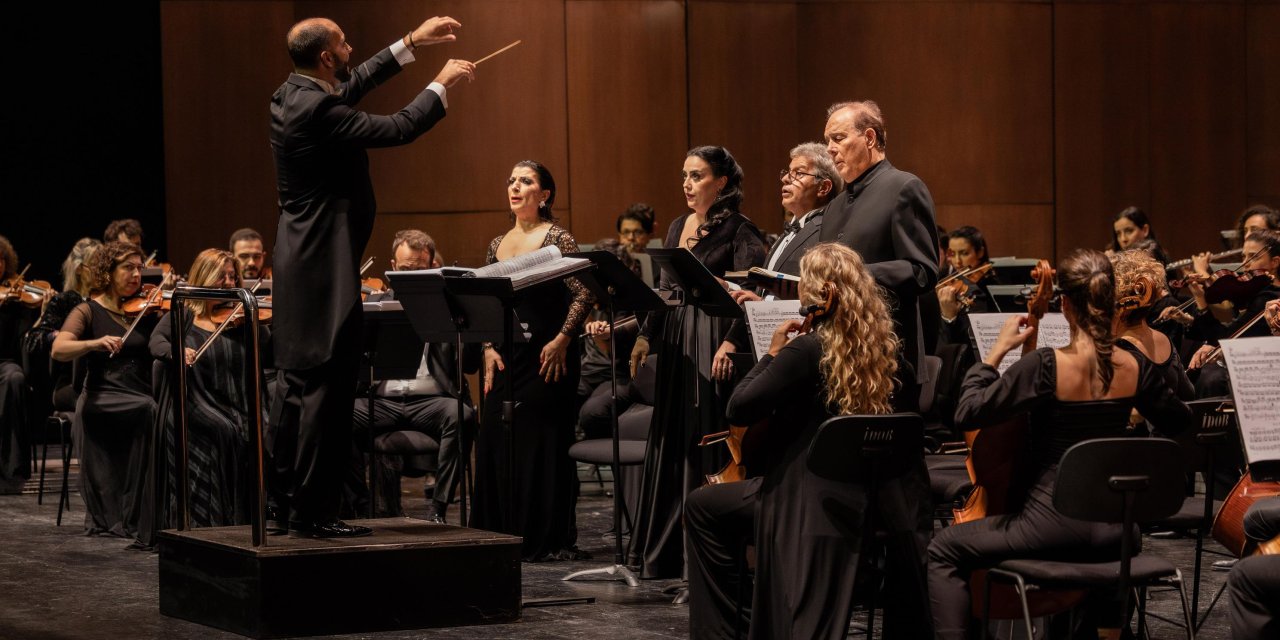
[(1011, 337), (782, 335)]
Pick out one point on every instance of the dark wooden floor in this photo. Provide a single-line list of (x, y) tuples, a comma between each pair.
[(58, 583)]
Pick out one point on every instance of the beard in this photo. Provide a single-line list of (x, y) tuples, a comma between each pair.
[(343, 73)]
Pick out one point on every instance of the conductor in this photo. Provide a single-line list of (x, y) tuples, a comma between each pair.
[(327, 207)]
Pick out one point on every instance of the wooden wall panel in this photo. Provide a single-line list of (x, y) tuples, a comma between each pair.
[(965, 89), (461, 238), (1102, 125), (221, 62), (627, 111), (742, 88), (1010, 229), (1198, 150), (1262, 153)]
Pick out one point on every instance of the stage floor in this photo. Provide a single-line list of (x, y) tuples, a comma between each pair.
[(58, 583)]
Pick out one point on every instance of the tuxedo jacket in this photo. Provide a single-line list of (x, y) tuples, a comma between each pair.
[(326, 201), (886, 215), (789, 263)]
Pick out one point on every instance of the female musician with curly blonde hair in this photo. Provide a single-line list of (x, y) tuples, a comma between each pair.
[(807, 529)]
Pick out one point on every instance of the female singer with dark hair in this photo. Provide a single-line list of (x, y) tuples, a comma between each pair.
[(115, 412), (219, 414), (1082, 391), (692, 358), (544, 371), (807, 529)]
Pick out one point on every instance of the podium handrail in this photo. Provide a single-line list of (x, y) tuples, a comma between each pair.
[(253, 374)]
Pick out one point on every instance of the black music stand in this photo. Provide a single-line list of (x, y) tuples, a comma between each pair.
[(618, 288), (438, 316), (392, 351)]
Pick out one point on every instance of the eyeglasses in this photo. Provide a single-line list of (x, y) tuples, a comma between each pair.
[(791, 175)]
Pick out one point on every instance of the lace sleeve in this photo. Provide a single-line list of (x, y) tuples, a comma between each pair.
[(79, 322), (491, 256), (582, 298)]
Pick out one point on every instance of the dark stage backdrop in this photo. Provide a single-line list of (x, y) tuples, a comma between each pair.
[(1036, 121), (83, 127)]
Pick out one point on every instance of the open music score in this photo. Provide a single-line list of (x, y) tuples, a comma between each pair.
[(1254, 364), (1054, 332), (764, 317)]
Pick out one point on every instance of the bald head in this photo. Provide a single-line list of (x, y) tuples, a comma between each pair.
[(308, 39)]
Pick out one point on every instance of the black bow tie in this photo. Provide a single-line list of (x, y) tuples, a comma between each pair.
[(792, 227)]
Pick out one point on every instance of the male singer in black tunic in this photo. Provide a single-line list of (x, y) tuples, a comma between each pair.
[(886, 215), (326, 216)]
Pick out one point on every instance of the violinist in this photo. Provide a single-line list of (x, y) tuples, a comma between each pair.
[(964, 294), (15, 420), (219, 418), (115, 410), (1262, 248), (1139, 283), (125, 230), (1082, 391), (251, 257), (807, 529)]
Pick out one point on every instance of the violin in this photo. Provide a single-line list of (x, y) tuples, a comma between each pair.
[(965, 284), (748, 443), (30, 293), (371, 284), (149, 298), (232, 316)]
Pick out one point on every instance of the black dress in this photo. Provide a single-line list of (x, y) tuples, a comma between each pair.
[(688, 404), (15, 402), (546, 482), (113, 423), (219, 429), (808, 529), (1036, 529)]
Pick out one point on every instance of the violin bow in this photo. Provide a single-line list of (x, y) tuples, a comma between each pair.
[(222, 326), (151, 299)]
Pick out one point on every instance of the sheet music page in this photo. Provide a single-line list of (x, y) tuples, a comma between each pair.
[(504, 268), (1054, 332), (764, 317), (1254, 364)]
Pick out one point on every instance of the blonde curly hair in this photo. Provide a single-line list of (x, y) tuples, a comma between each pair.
[(1138, 277), (859, 348)]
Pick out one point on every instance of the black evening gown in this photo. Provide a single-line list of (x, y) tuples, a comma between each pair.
[(219, 430), (688, 404), (114, 421), (16, 408), (809, 529), (546, 483)]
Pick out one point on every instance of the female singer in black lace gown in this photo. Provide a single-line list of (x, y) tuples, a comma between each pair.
[(115, 411), (544, 371), (1082, 391), (693, 365)]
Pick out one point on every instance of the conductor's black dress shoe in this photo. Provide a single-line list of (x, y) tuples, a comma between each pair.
[(334, 528)]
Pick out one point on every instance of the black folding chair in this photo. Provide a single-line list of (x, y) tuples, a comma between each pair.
[(868, 450), (1101, 481)]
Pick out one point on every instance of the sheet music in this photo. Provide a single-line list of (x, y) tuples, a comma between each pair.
[(1053, 332), (764, 317), (1254, 364), (504, 268)]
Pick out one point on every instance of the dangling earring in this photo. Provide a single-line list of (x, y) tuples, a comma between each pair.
[(542, 205)]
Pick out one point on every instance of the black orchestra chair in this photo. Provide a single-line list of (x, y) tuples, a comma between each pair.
[(62, 418), (867, 450), (1111, 480)]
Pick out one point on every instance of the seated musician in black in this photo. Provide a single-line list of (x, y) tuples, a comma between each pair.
[(1262, 249), (1253, 585), (807, 529), (1139, 285), (1082, 391), (967, 249), (426, 403)]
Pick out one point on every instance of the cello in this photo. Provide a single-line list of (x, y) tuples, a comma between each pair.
[(995, 468), (747, 443)]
